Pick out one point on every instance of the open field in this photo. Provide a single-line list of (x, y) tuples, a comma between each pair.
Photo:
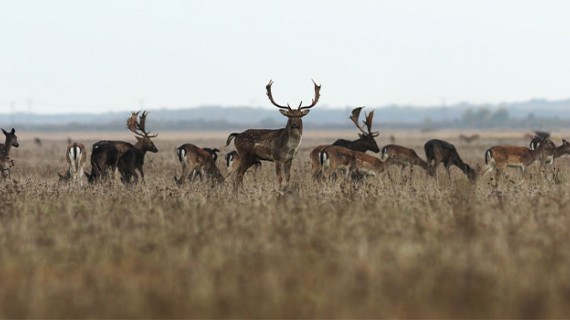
[(398, 248)]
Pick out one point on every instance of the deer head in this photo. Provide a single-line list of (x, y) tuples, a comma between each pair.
[(137, 125), (294, 115), (11, 138), (367, 135)]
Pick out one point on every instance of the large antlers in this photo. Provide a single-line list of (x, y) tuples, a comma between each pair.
[(137, 126), (355, 115), (313, 103)]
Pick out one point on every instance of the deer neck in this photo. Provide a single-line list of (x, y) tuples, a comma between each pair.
[(294, 131), (560, 151), (141, 147), (359, 145), (8, 145)]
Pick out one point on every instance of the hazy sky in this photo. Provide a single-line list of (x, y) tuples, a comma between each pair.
[(93, 56)]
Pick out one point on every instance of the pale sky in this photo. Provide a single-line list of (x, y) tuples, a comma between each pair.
[(94, 56)]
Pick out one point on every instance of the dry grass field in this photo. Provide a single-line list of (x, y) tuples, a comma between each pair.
[(401, 248)]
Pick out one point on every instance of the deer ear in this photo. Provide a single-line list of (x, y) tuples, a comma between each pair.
[(13, 131), (6, 133), (138, 138), (304, 112), (564, 141), (285, 112)]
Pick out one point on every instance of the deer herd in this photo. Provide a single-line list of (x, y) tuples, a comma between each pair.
[(343, 158)]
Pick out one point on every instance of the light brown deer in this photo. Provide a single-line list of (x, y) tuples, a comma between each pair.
[(279, 145), (197, 162), (131, 157), (334, 159), (394, 154), (369, 165), (5, 162), (498, 158), (75, 157), (233, 161), (365, 141)]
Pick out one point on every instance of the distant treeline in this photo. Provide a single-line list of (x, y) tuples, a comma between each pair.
[(535, 114)]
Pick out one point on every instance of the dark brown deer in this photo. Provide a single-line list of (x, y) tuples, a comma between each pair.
[(131, 157), (198, 162), (439, 151), (104, 158), (403, 156), (365, 142), (75, 157), (5, 162), (498, 158), (279, 145)]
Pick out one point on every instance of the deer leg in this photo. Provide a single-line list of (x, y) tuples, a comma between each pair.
[(240, 172), (287, 167), (278, 172)]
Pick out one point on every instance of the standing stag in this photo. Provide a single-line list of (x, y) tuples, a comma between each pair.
[(130, 158), (278, 145), (75, 157), (5, 162), (196, 161), (364, 142), (439, 151)]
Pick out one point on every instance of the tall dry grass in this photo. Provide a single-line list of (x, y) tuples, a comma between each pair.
[(381, 248)]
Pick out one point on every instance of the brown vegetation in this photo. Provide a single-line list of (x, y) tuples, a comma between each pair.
[(372, 249)]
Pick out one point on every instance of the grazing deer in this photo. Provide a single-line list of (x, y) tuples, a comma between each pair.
[(104, 158), (338, 158), (405, 157), (233, 161), (199, 161), (368, 165), (438, 151), (75, 157), (365, 141), (5, 162), (468, 139), (499, 157), (279, 145), (131, 157)]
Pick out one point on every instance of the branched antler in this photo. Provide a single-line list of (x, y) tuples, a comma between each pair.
[(268, 88), (137, 126), (315, 99), (300, 107), (355, 115)]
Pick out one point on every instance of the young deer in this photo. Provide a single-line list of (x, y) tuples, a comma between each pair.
[(279, 146), (405, 157), (131, 157), (5, 162), (438, 151), (233, 161), (499, 157), (368, 165), (337, 158), (197, 161), (364, 143), (555, 152), (75, 157)]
